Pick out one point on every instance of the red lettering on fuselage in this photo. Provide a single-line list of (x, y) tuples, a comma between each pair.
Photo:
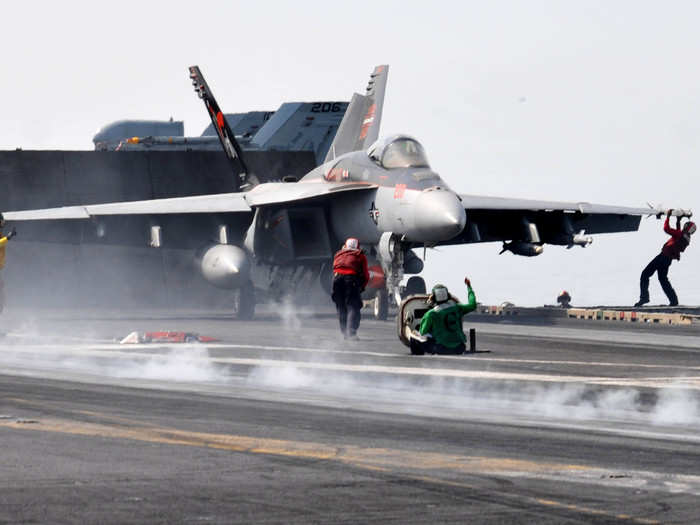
[(399, 191), (337, 174)]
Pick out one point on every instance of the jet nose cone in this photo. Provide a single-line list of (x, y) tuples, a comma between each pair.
[(439, 216)]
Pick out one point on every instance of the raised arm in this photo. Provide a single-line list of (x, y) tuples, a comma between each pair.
[(470, 306), (667, 225)]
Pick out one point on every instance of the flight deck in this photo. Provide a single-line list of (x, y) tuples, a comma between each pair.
[(282, 421)]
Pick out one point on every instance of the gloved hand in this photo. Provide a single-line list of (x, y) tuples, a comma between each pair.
[(12, 233), (467, 282)]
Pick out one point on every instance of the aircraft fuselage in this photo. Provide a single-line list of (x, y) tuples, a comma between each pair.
[(411, 202)]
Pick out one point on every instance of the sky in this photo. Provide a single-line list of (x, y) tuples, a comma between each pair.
[(584, 101)]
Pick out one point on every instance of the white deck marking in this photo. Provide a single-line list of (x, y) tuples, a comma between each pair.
[(433, 358), (146, 351)]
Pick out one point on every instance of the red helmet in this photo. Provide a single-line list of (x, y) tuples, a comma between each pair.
[(689, 228)]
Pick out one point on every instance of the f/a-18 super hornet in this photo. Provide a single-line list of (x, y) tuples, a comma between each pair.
[(279, 237)]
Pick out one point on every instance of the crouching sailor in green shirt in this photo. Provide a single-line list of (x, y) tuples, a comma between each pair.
[(441, 326)]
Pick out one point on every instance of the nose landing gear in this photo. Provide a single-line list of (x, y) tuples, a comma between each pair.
[(380, 304), (244, 302), (392, 255)]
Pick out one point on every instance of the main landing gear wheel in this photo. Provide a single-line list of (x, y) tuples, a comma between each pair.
[(245, 302), (381, 305), (414, 286)]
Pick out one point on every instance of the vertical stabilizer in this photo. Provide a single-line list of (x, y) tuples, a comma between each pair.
[(228, 140), (360, 126)]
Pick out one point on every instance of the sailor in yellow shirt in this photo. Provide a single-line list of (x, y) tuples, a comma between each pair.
[(3, 244)]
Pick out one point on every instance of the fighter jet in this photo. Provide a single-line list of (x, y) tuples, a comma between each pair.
[(279, 237)]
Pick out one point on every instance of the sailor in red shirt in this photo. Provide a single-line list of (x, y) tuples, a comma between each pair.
[(350, 276), (679, 241)]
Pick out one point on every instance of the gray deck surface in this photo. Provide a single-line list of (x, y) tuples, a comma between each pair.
[(281, 421)]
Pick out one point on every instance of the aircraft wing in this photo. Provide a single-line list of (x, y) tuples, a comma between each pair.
[(360, 125), (219, 203), (281, 192), (261, 195), (551, 222)]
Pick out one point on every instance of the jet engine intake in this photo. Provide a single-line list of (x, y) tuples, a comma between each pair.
[(224, 265), (526, 249)]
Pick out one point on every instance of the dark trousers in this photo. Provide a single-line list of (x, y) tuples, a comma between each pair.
[(348, 303), (659, 264), (431, 347)]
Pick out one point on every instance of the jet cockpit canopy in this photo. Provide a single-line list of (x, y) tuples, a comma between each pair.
[(398, 151)]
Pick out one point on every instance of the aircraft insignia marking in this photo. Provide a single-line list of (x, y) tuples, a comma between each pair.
[(367, 122), (374, 214)]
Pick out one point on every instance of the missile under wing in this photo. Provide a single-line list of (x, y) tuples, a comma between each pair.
[(525, 225)]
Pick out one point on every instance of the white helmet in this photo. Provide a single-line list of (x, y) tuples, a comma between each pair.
[(440, 293), (352, 244)]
